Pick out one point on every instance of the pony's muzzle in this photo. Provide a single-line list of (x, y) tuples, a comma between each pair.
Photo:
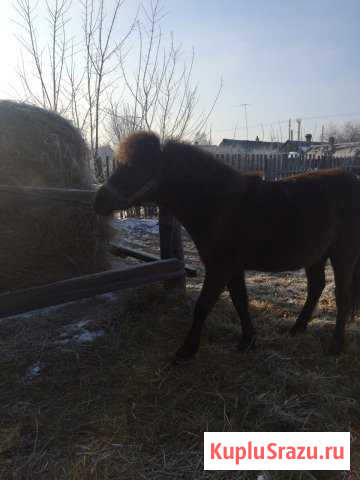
[(107, 200)]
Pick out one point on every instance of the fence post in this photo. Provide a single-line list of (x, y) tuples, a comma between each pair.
[(107, 167), (266, 171), (171, 245)]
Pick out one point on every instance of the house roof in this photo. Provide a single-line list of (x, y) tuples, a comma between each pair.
[(302, 142)]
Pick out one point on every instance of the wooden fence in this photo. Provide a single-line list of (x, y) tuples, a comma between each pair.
[(20, 301), (277, 166), (272, 167)]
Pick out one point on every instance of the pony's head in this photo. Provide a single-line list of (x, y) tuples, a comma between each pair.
[(136, 178)]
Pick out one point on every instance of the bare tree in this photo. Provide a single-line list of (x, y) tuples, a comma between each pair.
[(46, 91), (77, 76), (74, 76), (75, 91), (201, 138), (348, 132), (100, 50), (120, 125), (160, 95)]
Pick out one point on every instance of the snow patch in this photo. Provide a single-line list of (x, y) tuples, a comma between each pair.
[(70, 329), (137, 225), (81, 324), (110, 297), (33, 371), (86, 336), (83, 336)]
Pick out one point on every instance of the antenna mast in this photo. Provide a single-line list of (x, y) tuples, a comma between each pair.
[(298, 121), (245, 105)]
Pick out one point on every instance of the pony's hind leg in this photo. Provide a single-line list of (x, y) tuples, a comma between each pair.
[(355, 291), (343, 274), (315, 286), (212, 287), (238, 294)]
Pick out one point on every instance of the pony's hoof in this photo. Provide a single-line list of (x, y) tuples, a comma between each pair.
[(246, 343), (297, 329)]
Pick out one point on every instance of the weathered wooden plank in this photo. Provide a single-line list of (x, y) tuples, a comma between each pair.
[(123, 251), (24, 300), (39, 195)]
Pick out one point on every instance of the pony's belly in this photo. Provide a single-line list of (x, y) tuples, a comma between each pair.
[(275, 260), (274, 266)]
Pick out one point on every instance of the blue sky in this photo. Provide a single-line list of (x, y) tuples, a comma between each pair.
[(286, 59)]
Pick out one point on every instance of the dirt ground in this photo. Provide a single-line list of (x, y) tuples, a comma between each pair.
[(88, 390)]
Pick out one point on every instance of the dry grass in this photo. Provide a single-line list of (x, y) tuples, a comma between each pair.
[(118, 408)]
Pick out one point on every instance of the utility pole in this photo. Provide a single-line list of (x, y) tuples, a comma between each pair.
[(289, 128), (315, 131), (298, 121), (322, 133)]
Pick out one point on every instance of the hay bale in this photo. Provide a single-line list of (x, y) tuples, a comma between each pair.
[(42, 244)]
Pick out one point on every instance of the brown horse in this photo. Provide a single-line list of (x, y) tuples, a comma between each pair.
[(240, 222)]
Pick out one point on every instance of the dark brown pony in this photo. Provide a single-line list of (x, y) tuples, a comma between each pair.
[(240, 222)]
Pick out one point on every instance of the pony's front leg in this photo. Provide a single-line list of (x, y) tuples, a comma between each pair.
[(238, 294), (213, 285)]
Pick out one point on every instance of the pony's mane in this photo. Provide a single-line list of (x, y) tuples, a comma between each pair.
[(136, 145), (186, 160), (180, 156), (190, 160)]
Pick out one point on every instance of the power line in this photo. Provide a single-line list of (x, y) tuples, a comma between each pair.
[(261, 125)]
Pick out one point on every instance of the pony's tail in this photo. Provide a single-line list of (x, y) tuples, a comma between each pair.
[(355, 291)]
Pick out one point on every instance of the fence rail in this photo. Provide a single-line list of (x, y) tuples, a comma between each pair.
[(39, 195), (20, 301), (169, 269)]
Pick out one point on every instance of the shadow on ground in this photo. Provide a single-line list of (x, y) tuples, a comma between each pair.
[(116, 408)]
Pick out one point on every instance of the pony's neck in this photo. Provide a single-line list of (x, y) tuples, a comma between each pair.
[(194, 186)]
